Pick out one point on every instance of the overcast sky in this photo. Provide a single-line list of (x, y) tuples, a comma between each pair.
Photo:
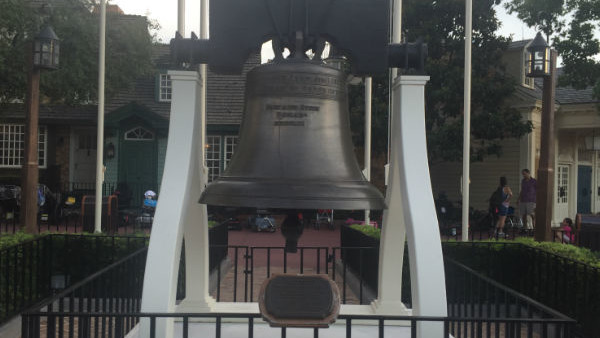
[(165, 13)]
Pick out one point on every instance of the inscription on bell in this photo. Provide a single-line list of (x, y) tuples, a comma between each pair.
[(298, 85), (291, 115)]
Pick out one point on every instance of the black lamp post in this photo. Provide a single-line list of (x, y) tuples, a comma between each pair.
[(44, 55), (542, 63)]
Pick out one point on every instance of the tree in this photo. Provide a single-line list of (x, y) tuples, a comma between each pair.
[(441, 24), (128, 50), (569, 26)]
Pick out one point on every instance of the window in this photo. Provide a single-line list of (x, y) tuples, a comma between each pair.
[(12, 145), (213, 156), (164, 88), (526, 81), (139, 134), (562, 183), (231, 143)]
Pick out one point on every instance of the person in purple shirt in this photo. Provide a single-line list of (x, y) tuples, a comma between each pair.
[(526, 200)]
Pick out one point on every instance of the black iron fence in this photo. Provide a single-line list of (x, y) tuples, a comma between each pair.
[(558, 282), (107, 303), (93, 324), (561, 283), (33, 270)]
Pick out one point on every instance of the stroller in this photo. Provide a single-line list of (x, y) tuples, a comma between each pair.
[(324, 217), (146, 216)]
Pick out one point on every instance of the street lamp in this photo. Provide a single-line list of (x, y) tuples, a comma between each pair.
[(542, 63), (46, 49), (538, 64), (43, 55)]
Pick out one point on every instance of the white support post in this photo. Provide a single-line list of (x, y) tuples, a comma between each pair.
[(418, 210), (367, 160), (393, 235), (178, 213)]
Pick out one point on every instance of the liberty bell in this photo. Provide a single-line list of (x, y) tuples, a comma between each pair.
[(295, 150)]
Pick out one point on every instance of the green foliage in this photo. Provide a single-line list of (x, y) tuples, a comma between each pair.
[(545, 15), (583, 255), (570, 26), (441, 25), (367, 230), (128, 50), (379, 114), (8, 240)]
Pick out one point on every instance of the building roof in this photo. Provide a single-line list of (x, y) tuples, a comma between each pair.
[(520, 44), (567, 94), (225, 93), (53, 114)]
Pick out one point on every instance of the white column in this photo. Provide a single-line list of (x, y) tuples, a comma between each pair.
[(176, 211), (418, 210)]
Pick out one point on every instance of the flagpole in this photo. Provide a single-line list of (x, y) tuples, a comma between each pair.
[(467, 120), (100, 131)]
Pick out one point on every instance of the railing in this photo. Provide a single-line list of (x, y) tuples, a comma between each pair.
[(33, 270), (93, 324), (561, 283), (107, 303)]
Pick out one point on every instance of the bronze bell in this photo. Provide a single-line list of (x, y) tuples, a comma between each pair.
[(295, 149)]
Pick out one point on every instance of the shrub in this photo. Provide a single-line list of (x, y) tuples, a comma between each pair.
[(14, 239), (367, 230)]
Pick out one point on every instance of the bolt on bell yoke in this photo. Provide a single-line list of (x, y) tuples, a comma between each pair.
[(295, 150)]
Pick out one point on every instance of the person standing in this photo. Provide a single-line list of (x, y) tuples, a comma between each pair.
[(504, 205), (526, 200)]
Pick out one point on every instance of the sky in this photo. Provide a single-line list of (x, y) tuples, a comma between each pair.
[(165, 13)]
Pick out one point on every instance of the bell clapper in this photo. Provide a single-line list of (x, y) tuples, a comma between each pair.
[(291, 229)]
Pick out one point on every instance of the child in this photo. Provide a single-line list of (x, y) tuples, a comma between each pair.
[(567, 230)]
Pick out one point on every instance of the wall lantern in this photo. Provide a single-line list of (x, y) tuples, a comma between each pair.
[(110, 151), (592, 142), (538, 64), (46, 49)]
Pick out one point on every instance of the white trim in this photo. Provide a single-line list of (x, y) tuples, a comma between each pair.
[(214, 171), (229, 141), (135, 131), (168, 87), (19, 137)]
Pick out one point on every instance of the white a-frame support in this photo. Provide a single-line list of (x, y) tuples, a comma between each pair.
[(178, 214), (411, 211)]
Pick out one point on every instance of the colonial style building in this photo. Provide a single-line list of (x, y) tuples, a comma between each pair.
[(577, 165), (136, 126)]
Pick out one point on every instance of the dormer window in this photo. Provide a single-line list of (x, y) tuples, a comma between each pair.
[(525, 80), (164, 88)]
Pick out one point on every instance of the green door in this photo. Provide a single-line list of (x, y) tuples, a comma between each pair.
[(137, 167)]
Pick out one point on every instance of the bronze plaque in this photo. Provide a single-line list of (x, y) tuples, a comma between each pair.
[(299, 300)]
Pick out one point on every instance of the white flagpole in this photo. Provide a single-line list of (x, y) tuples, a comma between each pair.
[(368, 104), (181, 17), (100, 131), (467, 121)]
